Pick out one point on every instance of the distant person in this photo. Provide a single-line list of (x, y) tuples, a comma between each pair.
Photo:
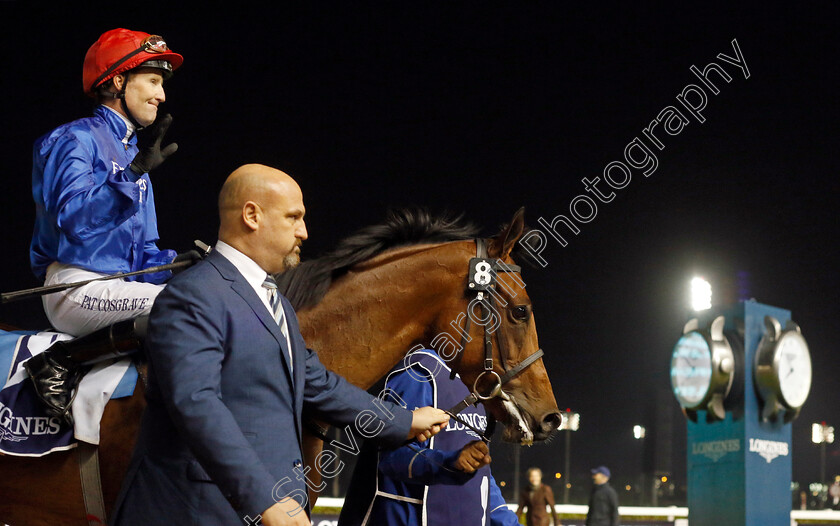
[(534, 499), (834, 493), (603, 501)]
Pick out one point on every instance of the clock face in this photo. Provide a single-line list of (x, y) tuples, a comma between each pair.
[(794, 368), (691, 369)]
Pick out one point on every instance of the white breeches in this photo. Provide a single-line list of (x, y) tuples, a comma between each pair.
[(82, 310)]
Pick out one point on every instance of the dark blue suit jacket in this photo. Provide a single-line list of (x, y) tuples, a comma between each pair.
[(221, 436)]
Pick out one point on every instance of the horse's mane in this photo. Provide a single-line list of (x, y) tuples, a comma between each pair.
[(307, 283)]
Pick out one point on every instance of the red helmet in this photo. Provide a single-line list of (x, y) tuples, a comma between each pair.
[(120, 50)]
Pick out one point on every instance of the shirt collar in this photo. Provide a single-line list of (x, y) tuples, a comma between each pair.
[(121, 125), (250, 270)]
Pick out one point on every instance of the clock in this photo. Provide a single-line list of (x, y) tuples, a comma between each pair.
[(702, 369), (783, 370)]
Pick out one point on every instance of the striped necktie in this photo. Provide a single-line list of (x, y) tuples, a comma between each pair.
[(274, 301), (277, 310)]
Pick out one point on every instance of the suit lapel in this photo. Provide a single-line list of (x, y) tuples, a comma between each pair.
[(298, 351), (299, 354), (244, 289)]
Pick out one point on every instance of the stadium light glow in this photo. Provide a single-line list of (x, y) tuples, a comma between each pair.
[(822, 433), (701, 294), (638, 432)]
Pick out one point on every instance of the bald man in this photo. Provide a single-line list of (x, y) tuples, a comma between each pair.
[(229, 375)]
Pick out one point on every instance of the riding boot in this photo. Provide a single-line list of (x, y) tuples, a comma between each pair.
[(56, 372)]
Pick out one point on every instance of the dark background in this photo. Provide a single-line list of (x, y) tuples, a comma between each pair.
[(481, 108)]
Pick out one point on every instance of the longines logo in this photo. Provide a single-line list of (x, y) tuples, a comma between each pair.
[(716, 449), (474, 419), (769, 449), (15, 428)]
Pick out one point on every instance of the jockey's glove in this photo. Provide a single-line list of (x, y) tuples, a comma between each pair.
[(150, 155)]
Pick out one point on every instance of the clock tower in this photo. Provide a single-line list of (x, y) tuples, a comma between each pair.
[(741, 374)]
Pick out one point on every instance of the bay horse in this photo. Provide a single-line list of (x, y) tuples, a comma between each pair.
[(383, 291)]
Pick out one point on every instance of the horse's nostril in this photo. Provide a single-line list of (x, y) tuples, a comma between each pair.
[(552, 421)]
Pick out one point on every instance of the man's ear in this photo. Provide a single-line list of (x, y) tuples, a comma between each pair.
[(251, 215), (119, 82)]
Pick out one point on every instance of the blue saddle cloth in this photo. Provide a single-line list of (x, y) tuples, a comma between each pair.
[(25, 429)]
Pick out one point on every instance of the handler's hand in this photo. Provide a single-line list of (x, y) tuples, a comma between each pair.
[(473, 456), (427, 422), (287, 512)]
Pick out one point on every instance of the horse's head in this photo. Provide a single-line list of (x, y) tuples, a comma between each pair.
[(404, 283), (501, 324)]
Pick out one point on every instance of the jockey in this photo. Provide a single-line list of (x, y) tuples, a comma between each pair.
[(95, 211)]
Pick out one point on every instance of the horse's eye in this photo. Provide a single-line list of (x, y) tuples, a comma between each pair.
[(520, 312)]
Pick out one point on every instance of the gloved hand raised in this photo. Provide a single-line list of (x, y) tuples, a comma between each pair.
[(149, 138)]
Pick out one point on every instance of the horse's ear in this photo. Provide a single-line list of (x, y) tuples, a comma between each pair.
[(505, 240)]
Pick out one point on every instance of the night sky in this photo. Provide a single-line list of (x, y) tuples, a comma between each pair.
[(481, 108)]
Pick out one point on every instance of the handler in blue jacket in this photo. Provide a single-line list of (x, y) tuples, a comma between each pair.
[(445, 480), (95, 208)]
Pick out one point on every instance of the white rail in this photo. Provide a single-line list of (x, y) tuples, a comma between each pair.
[(671, 513)]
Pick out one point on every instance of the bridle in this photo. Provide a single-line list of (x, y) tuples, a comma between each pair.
[(483, 282)]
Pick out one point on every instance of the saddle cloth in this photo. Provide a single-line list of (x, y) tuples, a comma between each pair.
[(25, 429)]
